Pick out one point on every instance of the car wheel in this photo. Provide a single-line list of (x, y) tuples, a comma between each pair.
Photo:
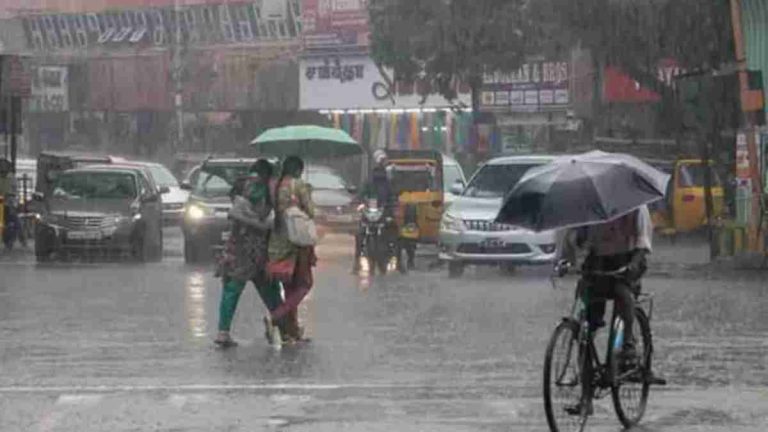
[(156, 247), (455, 269), (43, 247), (191, 251), (139, 248)]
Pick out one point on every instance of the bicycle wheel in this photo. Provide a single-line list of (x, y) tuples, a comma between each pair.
[(562, 379), (630, 388)]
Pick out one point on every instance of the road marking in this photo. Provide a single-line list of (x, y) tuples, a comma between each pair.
[(185, 388), (79, 399)]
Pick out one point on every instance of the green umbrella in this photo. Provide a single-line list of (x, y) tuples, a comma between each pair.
[(307, 141)]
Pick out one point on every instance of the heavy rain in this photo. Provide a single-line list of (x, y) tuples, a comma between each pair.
[(383, 215)]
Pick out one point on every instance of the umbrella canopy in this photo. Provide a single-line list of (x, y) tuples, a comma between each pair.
[(307, 141), (587, 189)]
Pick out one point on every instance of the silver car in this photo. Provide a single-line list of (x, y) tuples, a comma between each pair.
[(468, 233)]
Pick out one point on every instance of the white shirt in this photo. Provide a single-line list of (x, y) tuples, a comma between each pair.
[(625, 234)]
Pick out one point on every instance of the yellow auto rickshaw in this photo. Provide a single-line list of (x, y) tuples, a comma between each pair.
[(417, 179), (684, 207)]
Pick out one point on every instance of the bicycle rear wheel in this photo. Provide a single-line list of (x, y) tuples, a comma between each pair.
[(630, 388), (562, 379)]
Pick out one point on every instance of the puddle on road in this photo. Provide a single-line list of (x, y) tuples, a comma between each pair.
[(194, 301)]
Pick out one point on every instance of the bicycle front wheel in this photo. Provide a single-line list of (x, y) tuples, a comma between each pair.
[(562, 379), (630, 388)]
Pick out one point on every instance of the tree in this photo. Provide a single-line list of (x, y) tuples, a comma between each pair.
[(444, 43), (635, 35)]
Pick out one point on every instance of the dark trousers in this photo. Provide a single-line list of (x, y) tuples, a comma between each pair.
[(601, 288)]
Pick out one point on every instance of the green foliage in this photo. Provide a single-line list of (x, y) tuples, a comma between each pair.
[(445, 42)]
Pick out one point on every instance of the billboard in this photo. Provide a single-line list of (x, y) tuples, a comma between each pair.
[(50, 89), (335, 25), (536, 86), (155, 24), (354, 82), (129, 84)]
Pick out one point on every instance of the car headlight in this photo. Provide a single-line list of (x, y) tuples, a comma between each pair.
[(197, 211), (451, 223)]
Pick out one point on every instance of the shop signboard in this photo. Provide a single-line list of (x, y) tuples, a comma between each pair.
[(16, 79), (536, 86), (335, 25), (140, 25), (354, 82), (50, 89)]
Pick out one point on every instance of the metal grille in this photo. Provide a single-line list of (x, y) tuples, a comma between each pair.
[(84, 222), (502, 249), (486, 226), (173, 206)]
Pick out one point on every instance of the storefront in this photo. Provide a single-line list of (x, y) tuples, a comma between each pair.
[(529, 106)]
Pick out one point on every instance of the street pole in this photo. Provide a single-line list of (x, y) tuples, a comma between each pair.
[(746, 99), (178, 100)]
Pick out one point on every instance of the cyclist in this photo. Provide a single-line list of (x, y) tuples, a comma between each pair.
[(611, 246)]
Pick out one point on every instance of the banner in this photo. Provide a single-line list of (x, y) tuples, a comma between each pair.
[(536, 86), (354, 82), (330, 25), (50, 89)]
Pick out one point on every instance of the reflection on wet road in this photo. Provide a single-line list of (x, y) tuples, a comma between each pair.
[(128, 347)]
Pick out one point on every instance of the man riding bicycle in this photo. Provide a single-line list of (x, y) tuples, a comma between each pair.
[(620, 244)]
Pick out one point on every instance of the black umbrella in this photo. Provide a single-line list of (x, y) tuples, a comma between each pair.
[(587, 189)]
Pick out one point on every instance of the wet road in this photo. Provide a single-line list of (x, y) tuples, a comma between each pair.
[(127, 347)]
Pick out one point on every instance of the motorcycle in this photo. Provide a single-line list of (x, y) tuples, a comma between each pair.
[(380, 239)]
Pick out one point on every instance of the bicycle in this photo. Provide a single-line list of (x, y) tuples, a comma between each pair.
[(582, 365)]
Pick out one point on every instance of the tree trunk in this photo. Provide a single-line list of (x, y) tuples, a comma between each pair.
[(704, 148)]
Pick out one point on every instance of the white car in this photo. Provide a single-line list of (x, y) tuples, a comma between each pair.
[(176, 198), (468, 233)]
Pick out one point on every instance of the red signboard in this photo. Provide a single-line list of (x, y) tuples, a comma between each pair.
[(620, 88), (16, 78), (333, 24)]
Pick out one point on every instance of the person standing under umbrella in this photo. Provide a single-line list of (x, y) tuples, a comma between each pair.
[(245, 253), (290, 191), (611, 246)]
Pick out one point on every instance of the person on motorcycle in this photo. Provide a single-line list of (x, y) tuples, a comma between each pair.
[(9, 192), (620, 244), (378, 187)]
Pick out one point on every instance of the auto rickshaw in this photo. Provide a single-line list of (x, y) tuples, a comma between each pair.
[(417, 179), (684, 207)]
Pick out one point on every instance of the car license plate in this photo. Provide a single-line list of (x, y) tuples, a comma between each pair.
[(84, 235), (225, 235), (493, 243), (340, 218)]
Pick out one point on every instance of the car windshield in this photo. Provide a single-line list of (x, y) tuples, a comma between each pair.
[(494, 181), (451, 174), (325, 180), (217, 180), (692, 175), (162, 176), (95, 185)]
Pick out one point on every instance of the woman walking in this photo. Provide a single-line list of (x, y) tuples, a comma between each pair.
[(291, 191), (245, 254)]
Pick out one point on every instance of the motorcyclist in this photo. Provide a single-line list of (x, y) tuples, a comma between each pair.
[(378, 187), (9, 192)]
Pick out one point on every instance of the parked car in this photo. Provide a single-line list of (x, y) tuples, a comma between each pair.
[(334, 199), (468, 233), (205, 223), (176, 198), (107, 208)]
